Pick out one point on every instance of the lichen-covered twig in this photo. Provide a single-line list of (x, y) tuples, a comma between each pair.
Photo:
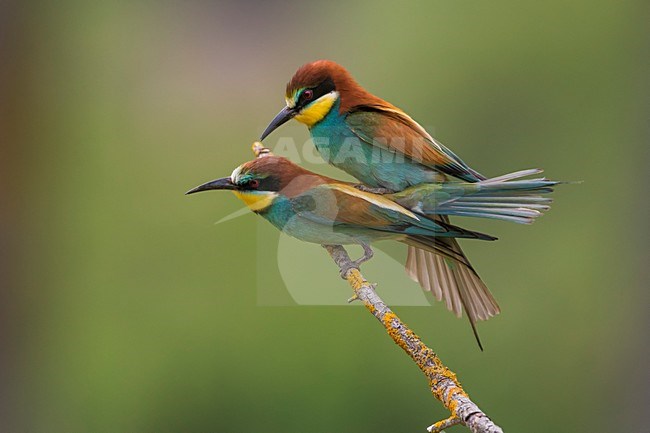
[(442, 381)]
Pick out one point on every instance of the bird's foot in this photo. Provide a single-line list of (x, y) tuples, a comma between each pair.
[(368, 253), (364, 188)]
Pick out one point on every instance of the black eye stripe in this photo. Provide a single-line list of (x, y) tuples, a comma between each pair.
[(270, 183), (322, 89)]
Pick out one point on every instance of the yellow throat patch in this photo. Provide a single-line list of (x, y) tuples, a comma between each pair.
[(318, 109), (256, 200)]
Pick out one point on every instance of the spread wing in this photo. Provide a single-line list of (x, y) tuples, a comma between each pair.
[(394, 130)]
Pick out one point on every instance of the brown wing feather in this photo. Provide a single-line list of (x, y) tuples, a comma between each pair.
[(398, 132), (342, 203)]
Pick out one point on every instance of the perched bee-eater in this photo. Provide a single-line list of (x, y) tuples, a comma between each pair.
[(387, 151), (318, 209), (364, 135)]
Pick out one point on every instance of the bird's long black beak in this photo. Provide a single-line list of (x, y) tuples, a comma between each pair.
[(223, 183), (286, 114)]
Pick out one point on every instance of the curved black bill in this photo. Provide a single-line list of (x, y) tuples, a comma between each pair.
[(282, 117), (223, 183)]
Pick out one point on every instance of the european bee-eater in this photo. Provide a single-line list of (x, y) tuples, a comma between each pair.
[(318, 209), (364, 135)]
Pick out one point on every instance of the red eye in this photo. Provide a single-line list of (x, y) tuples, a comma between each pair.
[(254, 183), (308, 94)]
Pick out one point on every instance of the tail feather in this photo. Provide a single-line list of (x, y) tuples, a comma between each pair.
[(494, 215), (511, 198), (514, 175), (438, 264), (507, 198), (504, 197), (440, 267)]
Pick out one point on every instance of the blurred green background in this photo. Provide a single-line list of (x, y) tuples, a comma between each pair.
[(125, 309)]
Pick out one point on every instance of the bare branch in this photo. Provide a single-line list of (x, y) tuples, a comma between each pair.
[(443, 382)]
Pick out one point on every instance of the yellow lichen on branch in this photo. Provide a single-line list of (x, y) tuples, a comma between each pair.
[(443, 382), (426, 360)]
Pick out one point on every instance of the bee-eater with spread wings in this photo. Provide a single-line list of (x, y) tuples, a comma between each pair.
[(318, 209)]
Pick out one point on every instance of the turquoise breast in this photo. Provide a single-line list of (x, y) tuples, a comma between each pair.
[(372, 165)]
